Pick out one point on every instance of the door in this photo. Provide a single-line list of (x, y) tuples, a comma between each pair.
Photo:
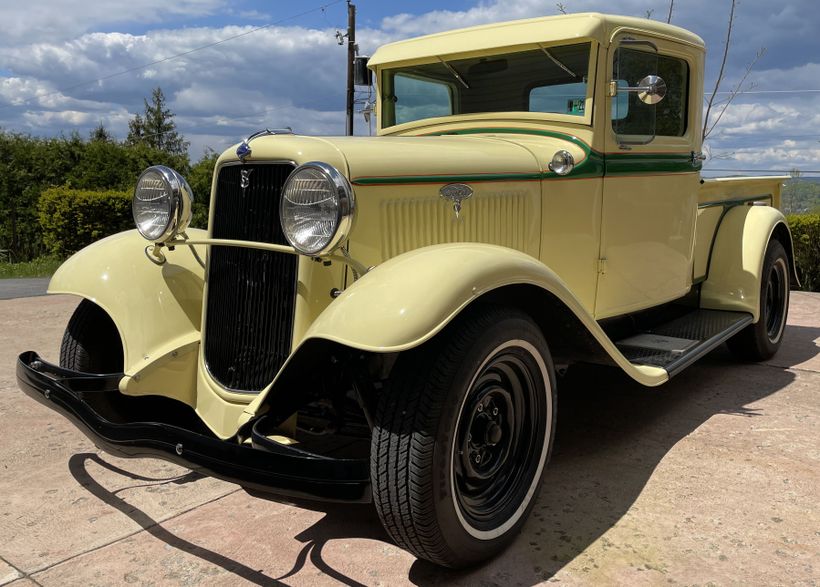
[(651, 178)]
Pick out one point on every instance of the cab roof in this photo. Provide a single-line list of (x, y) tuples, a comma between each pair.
[(548, 29)]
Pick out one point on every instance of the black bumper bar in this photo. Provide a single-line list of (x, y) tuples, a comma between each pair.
[(266, 467)]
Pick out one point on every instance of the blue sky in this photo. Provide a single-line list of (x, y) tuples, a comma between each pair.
[(292, 72)]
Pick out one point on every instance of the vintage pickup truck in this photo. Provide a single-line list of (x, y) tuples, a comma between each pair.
[(382, 318)]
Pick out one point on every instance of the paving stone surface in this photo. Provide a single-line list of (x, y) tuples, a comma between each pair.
[(712, 478)]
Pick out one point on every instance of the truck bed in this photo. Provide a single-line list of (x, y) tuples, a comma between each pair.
[(716, 196)]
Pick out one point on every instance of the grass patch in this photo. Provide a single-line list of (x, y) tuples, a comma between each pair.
[(40, 267)]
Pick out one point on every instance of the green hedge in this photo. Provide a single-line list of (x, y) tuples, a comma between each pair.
[(806, 235), (72, 219)]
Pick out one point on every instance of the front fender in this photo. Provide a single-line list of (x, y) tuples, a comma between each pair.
[(157, 309), (407, 300), (736, 263)]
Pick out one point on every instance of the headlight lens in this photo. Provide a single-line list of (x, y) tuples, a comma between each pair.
[(562, 162), (162, 203), (316, 209)]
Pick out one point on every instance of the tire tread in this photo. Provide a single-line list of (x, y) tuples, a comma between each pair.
[(405, 434)]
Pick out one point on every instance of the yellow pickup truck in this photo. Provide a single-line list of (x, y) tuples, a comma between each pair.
[(382, 318)]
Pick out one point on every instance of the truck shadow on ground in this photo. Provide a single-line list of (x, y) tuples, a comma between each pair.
[(612, 434), (345, 522)]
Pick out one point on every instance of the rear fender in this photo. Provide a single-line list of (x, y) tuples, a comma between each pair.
[(736, 263), (157, 309)]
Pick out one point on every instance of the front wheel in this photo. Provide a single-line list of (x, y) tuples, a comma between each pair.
[(760, 341), (462, 435)]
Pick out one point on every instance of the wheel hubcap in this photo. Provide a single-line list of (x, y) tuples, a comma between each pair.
[(486, 445)]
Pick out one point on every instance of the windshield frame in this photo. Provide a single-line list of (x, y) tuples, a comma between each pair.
[(586, 119)]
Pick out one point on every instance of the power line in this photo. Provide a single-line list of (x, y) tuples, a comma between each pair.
[(779, 171), (740, 93), (323, 7)]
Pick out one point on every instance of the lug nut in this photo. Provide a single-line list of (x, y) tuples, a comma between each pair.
[(478, 458), (495, 411), (480, 407)]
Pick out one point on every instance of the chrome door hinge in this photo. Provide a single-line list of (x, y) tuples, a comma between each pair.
[(697, 158)]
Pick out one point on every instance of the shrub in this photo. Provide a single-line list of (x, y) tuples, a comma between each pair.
[(806, 235), (72, 219)]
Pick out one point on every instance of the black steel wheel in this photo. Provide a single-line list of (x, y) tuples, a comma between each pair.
[(462, 436), (760, 341)]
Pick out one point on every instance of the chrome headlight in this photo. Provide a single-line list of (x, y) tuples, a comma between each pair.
[(317, 207), (562, 162), (162, 204)]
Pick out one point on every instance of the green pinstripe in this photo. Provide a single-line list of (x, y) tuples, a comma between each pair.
[(595, 164)]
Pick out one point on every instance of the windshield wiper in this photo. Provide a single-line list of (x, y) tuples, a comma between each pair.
[(558, 63), (455, 73)]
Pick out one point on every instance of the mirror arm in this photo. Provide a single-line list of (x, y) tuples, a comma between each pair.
[(636, 89)]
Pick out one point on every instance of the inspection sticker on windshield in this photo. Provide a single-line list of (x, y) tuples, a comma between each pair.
[(576, 106)]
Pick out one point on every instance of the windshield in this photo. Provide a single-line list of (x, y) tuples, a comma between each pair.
[(547, 79)]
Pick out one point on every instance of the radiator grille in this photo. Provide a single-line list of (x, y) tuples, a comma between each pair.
[(251, 293)]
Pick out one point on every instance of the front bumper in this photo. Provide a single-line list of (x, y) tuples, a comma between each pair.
[(265, 467)]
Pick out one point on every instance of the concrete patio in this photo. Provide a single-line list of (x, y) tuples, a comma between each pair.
[(711, 479)]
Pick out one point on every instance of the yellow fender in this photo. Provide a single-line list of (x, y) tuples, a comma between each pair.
[(157, 309), (407, 300), (736, 262)]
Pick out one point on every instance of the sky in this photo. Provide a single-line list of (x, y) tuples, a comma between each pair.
[(69, 65)]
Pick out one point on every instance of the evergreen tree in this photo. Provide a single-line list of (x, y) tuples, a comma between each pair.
[(156, 127), (100, 134)]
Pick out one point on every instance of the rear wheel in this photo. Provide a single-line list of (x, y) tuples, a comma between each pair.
[(760, 341), (462, 436)]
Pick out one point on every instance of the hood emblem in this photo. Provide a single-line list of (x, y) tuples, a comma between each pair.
[(245, 178), (243, 151), (456, 193)]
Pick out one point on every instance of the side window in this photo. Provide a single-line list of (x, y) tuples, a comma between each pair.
[(630, 116), (420, 98)]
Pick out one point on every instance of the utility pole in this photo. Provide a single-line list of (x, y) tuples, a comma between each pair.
[(351, 55)]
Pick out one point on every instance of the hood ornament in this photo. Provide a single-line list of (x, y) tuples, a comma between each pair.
[(243, 151), (456, 193)]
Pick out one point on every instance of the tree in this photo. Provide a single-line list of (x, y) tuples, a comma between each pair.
[(100, 134), (200, 180), (709, 124), (156, 127)]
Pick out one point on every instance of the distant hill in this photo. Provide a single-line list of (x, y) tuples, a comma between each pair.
[(801, 196)]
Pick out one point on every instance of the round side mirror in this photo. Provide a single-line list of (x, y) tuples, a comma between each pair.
[(653, 89)]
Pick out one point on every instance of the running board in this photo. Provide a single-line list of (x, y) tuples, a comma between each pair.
[(677, 344)]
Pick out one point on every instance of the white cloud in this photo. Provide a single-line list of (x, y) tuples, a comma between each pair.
[(785, 155), (294, 76), (64, 117), (65, 19)]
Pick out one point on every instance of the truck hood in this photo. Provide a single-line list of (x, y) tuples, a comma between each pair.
[(491, 156)]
